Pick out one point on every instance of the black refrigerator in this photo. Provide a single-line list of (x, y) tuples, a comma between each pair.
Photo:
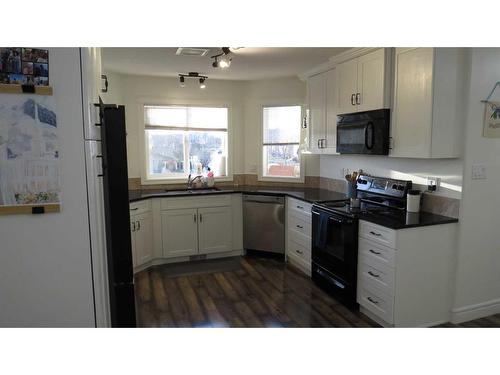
[(117, 215)]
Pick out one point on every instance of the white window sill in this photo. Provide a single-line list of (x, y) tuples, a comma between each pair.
[(177, 181), (297, 180)]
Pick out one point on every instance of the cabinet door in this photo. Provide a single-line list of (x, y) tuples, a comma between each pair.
[(143, 238), (317, 102), (371, 81), (132, 238), (179, 232), (331, 112), (348, 86), (412, 114), (214, 229)]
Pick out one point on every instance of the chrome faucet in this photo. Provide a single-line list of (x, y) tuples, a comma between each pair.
[(190, 181)]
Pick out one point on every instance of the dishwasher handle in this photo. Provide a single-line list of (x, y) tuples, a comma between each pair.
[(263, 199)]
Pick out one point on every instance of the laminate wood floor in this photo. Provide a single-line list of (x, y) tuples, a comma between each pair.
[(248, 291)]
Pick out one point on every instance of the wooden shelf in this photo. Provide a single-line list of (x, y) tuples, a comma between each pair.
[(17, 89), (28, 208)]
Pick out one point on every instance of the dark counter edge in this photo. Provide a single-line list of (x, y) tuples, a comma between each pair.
[(326, 195)]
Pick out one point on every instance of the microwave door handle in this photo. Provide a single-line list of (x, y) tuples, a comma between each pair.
[(367, 126)]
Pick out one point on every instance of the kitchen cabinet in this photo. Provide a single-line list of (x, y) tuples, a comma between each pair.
[(427, 117), (214, 229), (179, 232), (322, 102), (405, 277), (298, 234), (198, 225), (364, 82), (142, 238)]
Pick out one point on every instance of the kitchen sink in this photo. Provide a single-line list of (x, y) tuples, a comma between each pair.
[(192, 191)]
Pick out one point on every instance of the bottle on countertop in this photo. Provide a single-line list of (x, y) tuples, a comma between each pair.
[(413, 201), (210, 178)]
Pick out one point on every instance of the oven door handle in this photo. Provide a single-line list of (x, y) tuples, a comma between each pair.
[(333, 218), (367, 126)]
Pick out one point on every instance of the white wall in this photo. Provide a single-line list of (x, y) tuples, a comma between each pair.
[(478, 271), (45, 270), (245, 97), (417, 170)]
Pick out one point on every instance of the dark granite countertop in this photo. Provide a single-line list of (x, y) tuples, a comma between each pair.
[(403, 219), (392, 219), (311, 195)]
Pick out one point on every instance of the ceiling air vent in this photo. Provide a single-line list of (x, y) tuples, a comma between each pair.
[(190, 51)]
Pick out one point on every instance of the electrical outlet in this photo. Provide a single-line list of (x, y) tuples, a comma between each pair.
[(479, 172), (433, 183)]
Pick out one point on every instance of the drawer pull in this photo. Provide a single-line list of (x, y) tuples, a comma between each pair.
[(372, 300), (375, 233), (300, 207), (299, 252), (373, 274), (374, 252), (299, 226), (134, 209)]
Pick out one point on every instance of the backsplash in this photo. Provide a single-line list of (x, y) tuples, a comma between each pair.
[(431, 203)]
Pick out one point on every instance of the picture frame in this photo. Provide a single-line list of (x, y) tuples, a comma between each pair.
[(491, 127)]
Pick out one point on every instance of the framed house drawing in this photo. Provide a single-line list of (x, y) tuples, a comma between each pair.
[(491, 127), (29, 154)]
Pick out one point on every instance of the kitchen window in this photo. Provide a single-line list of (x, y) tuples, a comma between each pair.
[(183, 140), (280, 142)]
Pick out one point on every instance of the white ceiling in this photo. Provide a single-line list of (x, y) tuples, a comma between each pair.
[(249, 63)]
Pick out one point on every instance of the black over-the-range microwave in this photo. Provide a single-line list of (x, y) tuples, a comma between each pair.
[(364, 132)]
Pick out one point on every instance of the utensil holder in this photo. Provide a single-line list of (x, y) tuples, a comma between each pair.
[(352, 190)]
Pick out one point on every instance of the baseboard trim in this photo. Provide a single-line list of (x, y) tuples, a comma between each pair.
[(471, 312)]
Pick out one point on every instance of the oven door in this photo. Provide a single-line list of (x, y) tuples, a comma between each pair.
[(335, 250)]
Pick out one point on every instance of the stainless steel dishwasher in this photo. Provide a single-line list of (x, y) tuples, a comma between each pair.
[(264, 223)]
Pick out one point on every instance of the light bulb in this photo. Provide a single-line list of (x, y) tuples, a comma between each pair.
[(224, 62), (202, 83)]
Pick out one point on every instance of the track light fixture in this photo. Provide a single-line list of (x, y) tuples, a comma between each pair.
[(223, 59), (202, 79)]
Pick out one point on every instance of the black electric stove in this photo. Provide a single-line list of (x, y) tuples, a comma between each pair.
[(335, 233)]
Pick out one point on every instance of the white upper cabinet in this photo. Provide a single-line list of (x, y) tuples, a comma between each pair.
[(316, 89), (322, 102), (347, 86), (364, 82), (427, 117)]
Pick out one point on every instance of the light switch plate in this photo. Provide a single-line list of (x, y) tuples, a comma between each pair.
[(478, 172), (433, 181)]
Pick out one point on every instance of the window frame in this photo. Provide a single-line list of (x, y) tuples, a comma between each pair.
[(144, 157), (260, 169)]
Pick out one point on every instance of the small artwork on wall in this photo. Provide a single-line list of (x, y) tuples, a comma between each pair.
[(492, 120), (24, 66)]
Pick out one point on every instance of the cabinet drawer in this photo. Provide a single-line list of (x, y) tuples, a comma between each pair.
[(300, 207), (299, 251), (177, 203), (300, 238), (377, 302), (377, 233), (140, 207), (299, 225), (376, 252), (378, 275)]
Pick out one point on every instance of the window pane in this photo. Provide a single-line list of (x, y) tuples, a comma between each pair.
[(208, 149), (282, 124), (281, 161), (205, 117), (165, 116), (166, 153), (193, 117)]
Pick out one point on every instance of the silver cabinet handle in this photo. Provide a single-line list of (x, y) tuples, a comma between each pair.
[(375, 233), (319, 141), (138, 225), (374, 252), (372, 300), (358, 98), (373, 274), (200, 218), (352, 99), (134, 209), (194, 217), (299, 226), (323, 143)]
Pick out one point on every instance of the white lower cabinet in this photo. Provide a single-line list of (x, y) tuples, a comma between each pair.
[(298, 234), (179, 232), (214, 230), (141, 227), (405, 276)]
